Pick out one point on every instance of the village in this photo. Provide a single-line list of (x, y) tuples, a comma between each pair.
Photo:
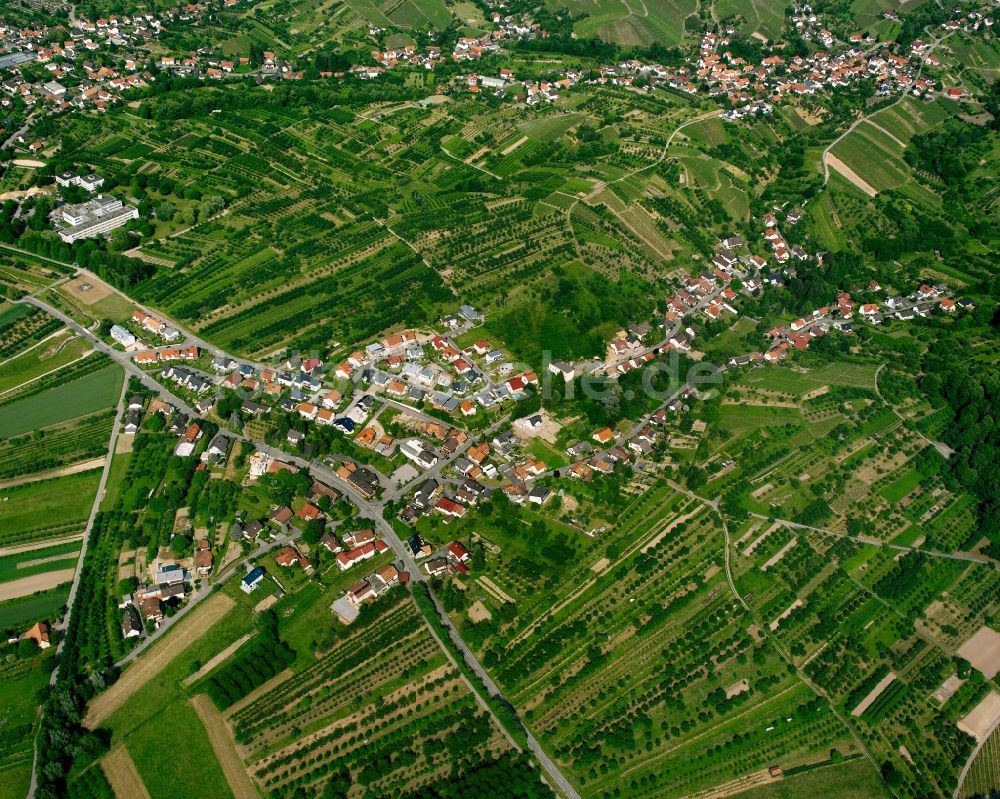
[(77, 80)]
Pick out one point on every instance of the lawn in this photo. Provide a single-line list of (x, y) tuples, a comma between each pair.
[(902, 486), (36, 510), (80, 397)]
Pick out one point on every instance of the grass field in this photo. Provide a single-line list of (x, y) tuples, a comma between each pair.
[(856, 779), (902, 486), (26, 564), (23, 612), (798, 382), (148, 667), (50, 355), (80, 397), (46, 508), (153, 704)]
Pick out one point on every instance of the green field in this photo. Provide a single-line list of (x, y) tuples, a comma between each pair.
[(47, 508), (902, 486), (62, 556), (38, 361), (856, 779), (162, 704), (632, 21), (795, 381), (83, 396), (22, 612)]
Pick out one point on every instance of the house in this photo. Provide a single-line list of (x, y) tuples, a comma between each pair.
[(40, 634), (131, 622), (122, 336), (132, 420), (290, 556), (539, 495), (450, 508), (188, 440), (203, 559), (436, 566), (347, 559), (604, 436), (562, 369), (329, 541), (458, 551), (217, 449), (281, 517), (252, 579)]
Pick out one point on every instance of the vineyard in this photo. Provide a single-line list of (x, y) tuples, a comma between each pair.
[(383, 703), (337, 227)]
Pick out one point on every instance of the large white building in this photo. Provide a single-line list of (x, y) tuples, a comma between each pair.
[(101, 215)]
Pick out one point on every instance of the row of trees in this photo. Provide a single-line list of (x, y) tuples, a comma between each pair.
[(253, 665)]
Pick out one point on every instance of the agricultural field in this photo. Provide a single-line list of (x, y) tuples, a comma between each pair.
[(45, 509), (640, 644), (93, 385), (631, 22), (21, 681), (868, 628), (395, 737), (317, 248)]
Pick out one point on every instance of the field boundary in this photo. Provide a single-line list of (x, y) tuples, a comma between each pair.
[(224, 747), (123, 776), (187, 631)]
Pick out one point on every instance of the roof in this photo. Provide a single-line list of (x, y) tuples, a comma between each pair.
[(253, 575)]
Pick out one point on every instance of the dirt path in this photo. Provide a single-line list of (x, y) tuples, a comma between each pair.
[(845, 171), (880, 129), (121, 772), (225, 748), (73, 468), (252, 697), (211, 664), (27, 564), (185, 633), (26, 586)]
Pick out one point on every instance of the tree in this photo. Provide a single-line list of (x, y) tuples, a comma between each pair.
[(165, 211)]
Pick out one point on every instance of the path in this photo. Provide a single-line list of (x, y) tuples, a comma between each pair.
[(849, 174)]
